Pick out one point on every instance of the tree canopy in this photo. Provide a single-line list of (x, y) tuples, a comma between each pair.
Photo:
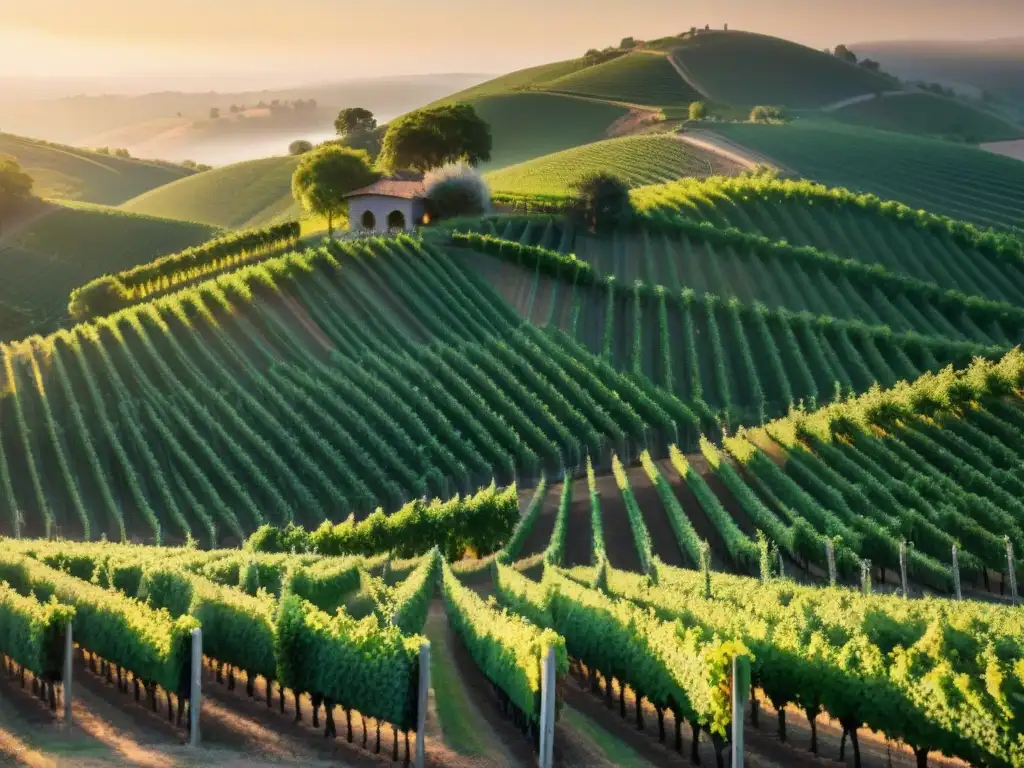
[(355, 120), (602, 202), (324, 177), (430, 138), (15, 184)]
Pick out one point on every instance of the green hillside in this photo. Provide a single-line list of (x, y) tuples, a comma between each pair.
[(528, 125), (70, 245), (928, 114), (239, 196), (531, 77), (636, 78), (746, 69), (946, 178), (639, 160), (77, 174)]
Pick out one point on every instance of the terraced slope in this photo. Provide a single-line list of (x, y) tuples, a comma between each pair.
[(240, 196), (941, 177), (70, 245), (76, 174), (927, 114), (745, 68), (638, 160), (636, 78), (303, 388)]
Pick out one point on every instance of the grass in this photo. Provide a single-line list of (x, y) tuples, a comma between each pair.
[(639, 160), (946, 178), (747, 69), (636, 78), (71, 245), (927, 114), (614, 750), (532, 77), (77, 174), (254, 193), (522, 124), (454, 710)]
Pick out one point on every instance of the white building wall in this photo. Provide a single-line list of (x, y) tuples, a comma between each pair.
[(381, 207)]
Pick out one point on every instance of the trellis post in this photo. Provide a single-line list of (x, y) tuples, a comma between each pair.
[(421, 708), (1011, 570), (740, 692), (956, 575), (69, 649), (547, 710), (195, 694), (830, 555)]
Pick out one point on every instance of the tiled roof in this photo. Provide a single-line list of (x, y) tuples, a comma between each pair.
[(406, 188)]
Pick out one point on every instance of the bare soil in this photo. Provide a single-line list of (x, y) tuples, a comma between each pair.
[(579, 533), (663, 538), (633, 121), (618, 534), (698, 517), (544, 525)]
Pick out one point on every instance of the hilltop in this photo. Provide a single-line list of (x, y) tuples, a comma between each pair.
[(238, 196), (77, 174)]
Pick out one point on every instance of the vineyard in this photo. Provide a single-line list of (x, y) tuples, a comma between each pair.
[(636, 78), (942, 177), (637, 160)]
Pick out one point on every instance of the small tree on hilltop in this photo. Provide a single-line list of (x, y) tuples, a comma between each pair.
[(698, 110), (354, 120), (300, 147), (602, 202), (844, 53), (15, 184), (456, 190), (430, 138), (324, 177), (628, 42)]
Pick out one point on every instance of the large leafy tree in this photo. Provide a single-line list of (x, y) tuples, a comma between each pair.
[(430, 138), (354, 120), (324, 177)]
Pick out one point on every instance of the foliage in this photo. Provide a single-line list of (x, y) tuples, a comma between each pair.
[(300, 147), (456, 190), (602, 202), (433, 137), (15, 184), (32, 632), (762, 114), (323, 178), (513, 548), (354, 120), (698, 110)]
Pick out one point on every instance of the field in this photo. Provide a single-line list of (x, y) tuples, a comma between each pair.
[(941, 177), (521, 124), (638, 160), (926, 114), (240, 196), (747, 69), (636, 78), (77, 174), (519, 80), (70, 245)]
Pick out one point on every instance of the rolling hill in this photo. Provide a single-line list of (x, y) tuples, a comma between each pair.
[(943, 177), (77, 174), (928, 114), (66, 245), (638, 160), (239, 196), (644, 78), (744, 68)]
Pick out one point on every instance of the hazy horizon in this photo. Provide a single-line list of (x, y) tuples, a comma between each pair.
[(273, 43)]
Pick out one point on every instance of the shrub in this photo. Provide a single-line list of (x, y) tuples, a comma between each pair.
[(300, 147), (456, 190), (101, 296), (602, 202), (763, 114), (698, 110)]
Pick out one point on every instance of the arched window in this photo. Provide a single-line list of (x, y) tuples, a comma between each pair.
[(396, 220), (369, 220)]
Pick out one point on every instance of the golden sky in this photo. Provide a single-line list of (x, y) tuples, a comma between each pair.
[(329, 39)]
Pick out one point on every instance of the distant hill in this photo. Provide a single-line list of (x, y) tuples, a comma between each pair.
[(996, 66), (74, 174), (238, 196), (928, 114), (746, 69), (636, 78), (62, 246)]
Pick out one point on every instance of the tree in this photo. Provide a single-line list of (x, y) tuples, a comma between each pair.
[(763, 114), (121, 153), (15, 184), (844, 53), (324, 177), (300, 147), (698, 110), (602, 202), (430, 138), (870, 65), (214, 113), (628, 42), (354, 120)]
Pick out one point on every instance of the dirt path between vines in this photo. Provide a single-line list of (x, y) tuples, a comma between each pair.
[(719, 145)]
